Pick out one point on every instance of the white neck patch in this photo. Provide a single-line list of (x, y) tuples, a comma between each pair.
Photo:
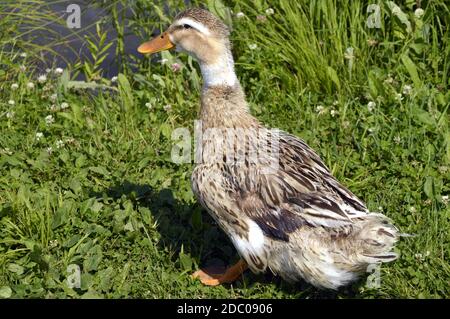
[(219, 73), (196, 25)]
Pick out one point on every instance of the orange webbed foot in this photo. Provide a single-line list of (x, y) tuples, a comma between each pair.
[(214, 277)]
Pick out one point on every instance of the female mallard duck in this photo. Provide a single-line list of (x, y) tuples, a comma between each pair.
[(295, 218)]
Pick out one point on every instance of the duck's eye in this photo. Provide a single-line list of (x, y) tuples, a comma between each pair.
[(187, 26)]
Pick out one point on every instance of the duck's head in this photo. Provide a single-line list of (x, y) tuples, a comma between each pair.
[(194, 31), (203, 36)]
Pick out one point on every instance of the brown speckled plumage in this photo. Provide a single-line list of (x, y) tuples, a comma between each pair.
[(207, 19), (296, 220)]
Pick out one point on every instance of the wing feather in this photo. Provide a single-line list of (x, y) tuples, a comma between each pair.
[(301, 192)]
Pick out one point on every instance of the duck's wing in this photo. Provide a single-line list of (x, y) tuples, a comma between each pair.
[(301, 191)]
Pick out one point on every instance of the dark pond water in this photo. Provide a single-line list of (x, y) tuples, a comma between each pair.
[(67, 39)]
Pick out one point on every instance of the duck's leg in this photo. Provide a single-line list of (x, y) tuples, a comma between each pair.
[(231, 274)]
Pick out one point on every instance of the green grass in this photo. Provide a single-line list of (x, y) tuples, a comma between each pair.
[(110, 200)]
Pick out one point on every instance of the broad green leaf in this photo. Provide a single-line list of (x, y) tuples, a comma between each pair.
[(5, 292), (75, 185), (423, 116), (166, 130), (412, 70), (15, 268), (64, 80), (428, 187), (185, 261), (447, 146), (99, 170), (402, 17), (93, 259), (126, 93), (332, 74)]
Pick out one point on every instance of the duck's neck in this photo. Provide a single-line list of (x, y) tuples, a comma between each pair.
[(223, 100), (219, 73)]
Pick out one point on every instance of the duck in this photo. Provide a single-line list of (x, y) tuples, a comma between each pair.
[(282, 208)]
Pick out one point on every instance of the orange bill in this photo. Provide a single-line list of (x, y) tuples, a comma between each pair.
[(160, 43)]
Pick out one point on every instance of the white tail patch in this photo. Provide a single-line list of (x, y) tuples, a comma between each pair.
[(254, 242), (255, 236)]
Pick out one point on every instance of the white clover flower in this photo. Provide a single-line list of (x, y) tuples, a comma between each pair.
[(10, 114), (252, 46), (389, 80), (167, 108), (320, 109), (11, 102), (397, 139), (53, 97), (39, 135), (14, 86), (443, 169), (23, 55), (59, 71), (407, 89), (30, 85), (59, 144), (49, 150), (412, 209), (148, 105), (418, 256), (333, 112), (53, 243), (399, 97), (372, 42), (42, 78), (49, 119), (419, 13), (270, 11), (47, 87), (371, 105), (415, 163), (47, 70), (64, 105), (380, 208), (114, 79), (53, 108), (396, 10), (6, 151), (445, 200), (240, 15), (22, 68), (349, 54), (163, 61)]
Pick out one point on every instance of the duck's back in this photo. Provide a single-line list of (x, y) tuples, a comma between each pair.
[(289, 213)]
